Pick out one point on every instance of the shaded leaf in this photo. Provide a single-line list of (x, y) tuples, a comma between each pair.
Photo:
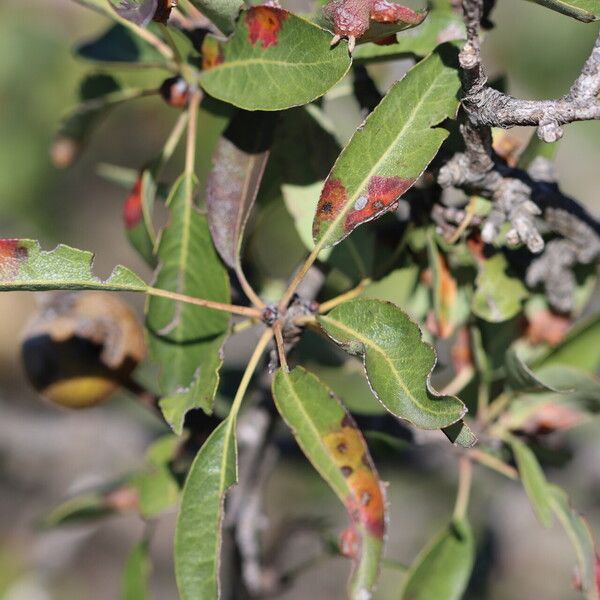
[(274, 60), (80, 509), (498, 296), (443, 567), (519, 376), (25, 266), (198, 532), (398, 363), (580, 535), (442, 24), (186, 340), (140, 13), (118, 44), (575, 384), (99, 94), (238, 165), (157, 491), (582, 10), (136, 575), (222, 13), (533, 479), (330, 440), (391, 149)]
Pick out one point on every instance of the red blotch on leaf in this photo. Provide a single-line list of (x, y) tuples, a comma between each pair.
[(382, 195), (132, 207), (264, 24), (332, 201), (11, 257), (349, 17)]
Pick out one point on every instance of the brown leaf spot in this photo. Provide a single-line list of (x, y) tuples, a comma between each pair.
[(367, 499), (350, 542), (346, 470), (349, 17), (264, 24)]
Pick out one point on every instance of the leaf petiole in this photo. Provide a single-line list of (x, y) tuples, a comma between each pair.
[(349, 295), (246, 311), (465, 470)]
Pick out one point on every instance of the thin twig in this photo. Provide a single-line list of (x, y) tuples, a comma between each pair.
[(280, 346), (246, 311), (464, 488), (491, 462), (345, 297), (248, 289)]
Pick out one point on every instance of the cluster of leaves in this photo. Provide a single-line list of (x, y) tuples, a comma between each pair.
[(256, 86)]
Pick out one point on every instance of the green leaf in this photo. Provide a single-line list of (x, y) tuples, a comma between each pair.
[(184, 339), (533, 479), (157, 491), (498, 295), (25, 266), (520, 378), (581, 538), (397, 362), (238, 165), (579, 349), (576, 385), (80, 509), (390, 151), (136, 575), (443, 567), (442, 23), (198, 532), (330, 440), (118, 44), (274, 60), (222, 13), (582, 10)]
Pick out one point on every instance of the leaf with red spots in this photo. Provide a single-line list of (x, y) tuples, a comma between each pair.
[(370, 20), (442, 24), (330, 440), (274, 60), (25, 266), (238, 165), (390, 151), (398, 363)]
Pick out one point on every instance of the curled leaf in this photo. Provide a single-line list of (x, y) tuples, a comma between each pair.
[(397, 362)]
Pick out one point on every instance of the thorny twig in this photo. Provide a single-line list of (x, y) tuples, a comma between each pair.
[(519, 197)]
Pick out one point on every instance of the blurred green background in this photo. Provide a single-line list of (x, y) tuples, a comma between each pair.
[(46, 454)]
